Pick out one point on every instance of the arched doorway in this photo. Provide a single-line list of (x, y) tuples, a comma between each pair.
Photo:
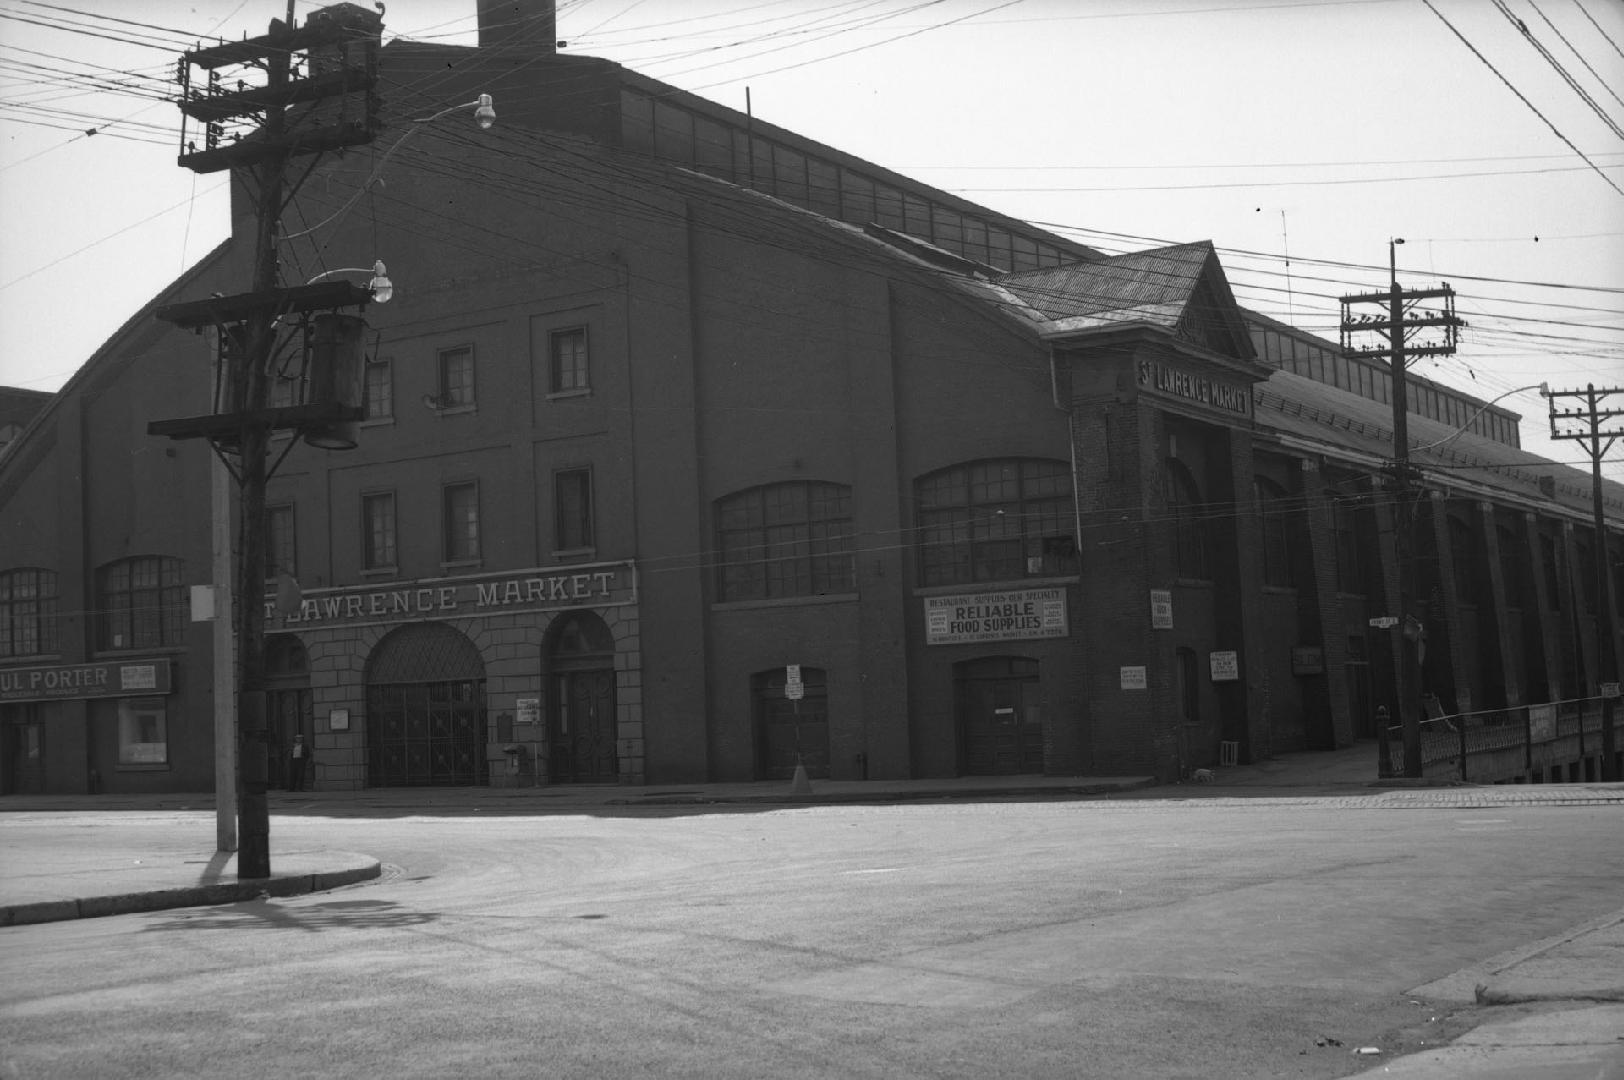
[(287, 705), (581, 728), (425, 709), (790, 732), (1000, 715)]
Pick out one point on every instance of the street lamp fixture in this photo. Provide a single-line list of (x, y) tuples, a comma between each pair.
[(1544, 391), (382, 289)]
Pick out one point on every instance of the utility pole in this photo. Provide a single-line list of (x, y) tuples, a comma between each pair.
[(1401, 321), (1589, 426), (293, 92)]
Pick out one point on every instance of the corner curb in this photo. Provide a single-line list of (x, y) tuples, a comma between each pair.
[(1471, 985), (226, 892)]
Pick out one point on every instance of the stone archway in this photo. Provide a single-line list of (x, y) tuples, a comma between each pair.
[(425, 718)]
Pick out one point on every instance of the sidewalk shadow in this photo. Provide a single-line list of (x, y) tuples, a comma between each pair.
[(267, 914)]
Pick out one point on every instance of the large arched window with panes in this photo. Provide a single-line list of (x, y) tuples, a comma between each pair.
[(140, 603), (996, 520), (1186, 512), (1279, 521), (785, 540), (28, 612)]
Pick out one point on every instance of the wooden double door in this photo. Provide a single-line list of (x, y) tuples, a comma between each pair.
[(582, 744), (1000, 716)]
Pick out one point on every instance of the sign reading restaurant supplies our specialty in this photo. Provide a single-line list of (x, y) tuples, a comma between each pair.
[(995, 616)]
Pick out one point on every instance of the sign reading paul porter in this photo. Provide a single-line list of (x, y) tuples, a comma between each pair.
[(995, 616)]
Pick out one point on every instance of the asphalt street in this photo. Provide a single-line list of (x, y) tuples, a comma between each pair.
[(1195, 938)]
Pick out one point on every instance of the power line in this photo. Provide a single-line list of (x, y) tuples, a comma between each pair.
[(1520, 96)]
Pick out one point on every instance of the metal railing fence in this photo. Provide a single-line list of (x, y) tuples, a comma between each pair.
[(1498, 744)]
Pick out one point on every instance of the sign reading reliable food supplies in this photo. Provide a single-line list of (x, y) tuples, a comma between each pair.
[(995, 616)]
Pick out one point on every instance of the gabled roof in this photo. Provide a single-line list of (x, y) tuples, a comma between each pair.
[(1180, 289)]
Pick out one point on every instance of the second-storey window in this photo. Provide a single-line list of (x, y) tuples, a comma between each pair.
[(568, 361), (1278, 523), (572, 509), (378, 392), (995, 520), (27, 612), (1191, 556), (461, 516), (281, 549), (378, 531), (457, 378), (791, 539), (141, 603)]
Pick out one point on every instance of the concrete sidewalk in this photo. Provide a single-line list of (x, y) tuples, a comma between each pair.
[(1552, 1010)]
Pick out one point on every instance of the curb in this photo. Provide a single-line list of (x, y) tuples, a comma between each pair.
[(225, 892), (790, 798), (1471, 985)]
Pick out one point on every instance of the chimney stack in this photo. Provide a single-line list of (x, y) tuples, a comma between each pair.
[(521, 28)]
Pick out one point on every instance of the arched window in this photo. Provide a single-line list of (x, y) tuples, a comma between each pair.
[(1184, 506), (1352, 567), (1463, 554), (28, 612), (1278, 526), (1514, 568), (996, 521), (141, 603), (782, 540)]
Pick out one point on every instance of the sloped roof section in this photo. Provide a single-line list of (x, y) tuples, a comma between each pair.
[(1349, 425), (1181, 289)]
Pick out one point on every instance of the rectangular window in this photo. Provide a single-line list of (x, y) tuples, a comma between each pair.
[(572, 509), (568, 360), (143, 732), (378, 394), (281, 545), (461, 522), (378, 531), (457, 378)]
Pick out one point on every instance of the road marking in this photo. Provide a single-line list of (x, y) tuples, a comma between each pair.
[(878, 870)]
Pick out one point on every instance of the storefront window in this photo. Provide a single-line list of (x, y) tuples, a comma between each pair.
[(143, 737)]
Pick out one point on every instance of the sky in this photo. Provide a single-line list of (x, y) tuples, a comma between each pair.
[(1299, 136)]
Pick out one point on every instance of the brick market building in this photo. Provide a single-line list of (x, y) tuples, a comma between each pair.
[(672, 403)]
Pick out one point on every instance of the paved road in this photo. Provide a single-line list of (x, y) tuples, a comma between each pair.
[(1213, 938)]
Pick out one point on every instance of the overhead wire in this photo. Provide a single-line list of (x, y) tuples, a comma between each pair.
[(1521, 97)]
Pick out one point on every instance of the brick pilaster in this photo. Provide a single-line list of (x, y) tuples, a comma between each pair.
[(1503, 663), (1323, 603)]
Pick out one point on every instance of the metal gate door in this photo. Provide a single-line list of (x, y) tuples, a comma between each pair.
[(425, 709), (426, 733)]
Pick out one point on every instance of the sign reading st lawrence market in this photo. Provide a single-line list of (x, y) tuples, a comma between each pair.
[(1203, 390), (554, 589), (995, 616)]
